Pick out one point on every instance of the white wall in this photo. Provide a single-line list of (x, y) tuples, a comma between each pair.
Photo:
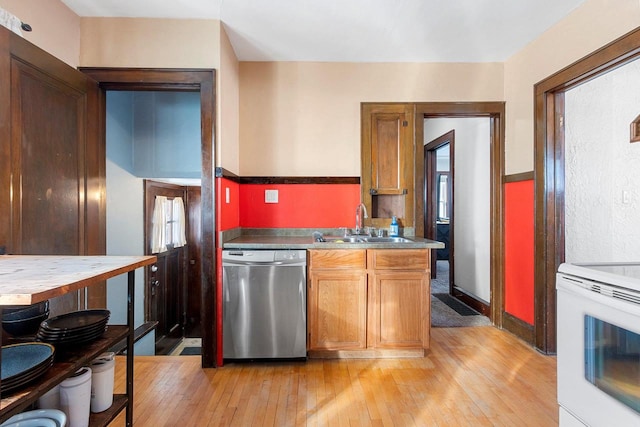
[(471, 207), (601, 165)]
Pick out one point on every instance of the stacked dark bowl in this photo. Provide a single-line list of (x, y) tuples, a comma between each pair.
[(24, 320)]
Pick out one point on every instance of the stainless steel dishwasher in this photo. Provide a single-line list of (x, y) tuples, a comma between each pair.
[(264, 304)]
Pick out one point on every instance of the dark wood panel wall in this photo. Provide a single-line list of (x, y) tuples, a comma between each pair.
[(52, 166)]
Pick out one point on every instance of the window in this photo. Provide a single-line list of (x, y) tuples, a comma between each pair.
[(169, 224)]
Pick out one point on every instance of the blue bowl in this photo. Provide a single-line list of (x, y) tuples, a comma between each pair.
[(24, 312), (21, 327)]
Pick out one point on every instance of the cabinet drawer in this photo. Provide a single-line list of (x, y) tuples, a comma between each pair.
[(337, 258), (399, 259)]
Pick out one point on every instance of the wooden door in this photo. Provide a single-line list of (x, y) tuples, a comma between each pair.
[(166, 280), (52, 167)]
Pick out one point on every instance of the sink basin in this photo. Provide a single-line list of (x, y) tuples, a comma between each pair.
[(350, 239), (365, 239), (386, 240)]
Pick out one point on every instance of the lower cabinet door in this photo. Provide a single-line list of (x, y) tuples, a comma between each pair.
[(337, 310), (399, 313)]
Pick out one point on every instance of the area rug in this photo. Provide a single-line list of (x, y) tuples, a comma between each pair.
[(443, 316), (191, 351), (461, 308)]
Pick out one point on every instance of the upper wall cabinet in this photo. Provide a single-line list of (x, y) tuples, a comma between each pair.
[(387, 157)]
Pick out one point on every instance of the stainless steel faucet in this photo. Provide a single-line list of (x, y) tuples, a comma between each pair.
[(361, 214)]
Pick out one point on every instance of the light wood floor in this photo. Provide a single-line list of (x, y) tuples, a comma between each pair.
[(471, 377)]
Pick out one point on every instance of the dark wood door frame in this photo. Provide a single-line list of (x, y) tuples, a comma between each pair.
[(203, 81), (495, 111), (549, 173), (430, 228)]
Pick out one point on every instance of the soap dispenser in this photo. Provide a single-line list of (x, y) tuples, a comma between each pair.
[(393, 229)]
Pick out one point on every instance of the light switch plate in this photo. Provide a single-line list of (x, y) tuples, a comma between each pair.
[(271, 196)]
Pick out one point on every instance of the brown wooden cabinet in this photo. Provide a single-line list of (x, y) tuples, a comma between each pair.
[(387, 157), (337, 299), (399, 298), (368, 303)]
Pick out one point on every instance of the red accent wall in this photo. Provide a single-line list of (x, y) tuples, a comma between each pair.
[(228, 213), (519, 249), (299, 206)]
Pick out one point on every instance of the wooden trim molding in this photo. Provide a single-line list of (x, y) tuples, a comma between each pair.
[(549, 172), (223, 173), (203, 81), (635, 130), (517, 177), (519, 328)]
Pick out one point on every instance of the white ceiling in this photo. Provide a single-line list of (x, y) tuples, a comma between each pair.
[(358, 30)]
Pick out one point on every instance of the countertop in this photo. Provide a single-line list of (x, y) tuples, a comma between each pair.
[(307, 242), (28, 279)]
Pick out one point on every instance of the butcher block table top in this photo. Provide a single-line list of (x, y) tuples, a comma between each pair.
[(29, 279)]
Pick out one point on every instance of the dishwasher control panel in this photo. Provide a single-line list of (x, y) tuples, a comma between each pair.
[(282, 256)]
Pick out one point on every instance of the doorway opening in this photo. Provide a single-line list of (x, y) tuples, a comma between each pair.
[(550, 173), (153, 147), (203, 83), (493, 114)]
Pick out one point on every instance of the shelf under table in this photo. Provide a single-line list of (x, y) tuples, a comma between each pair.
[(66, 363)]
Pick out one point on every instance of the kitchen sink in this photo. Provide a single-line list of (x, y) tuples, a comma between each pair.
[(366, 239), (386, 240), (349, 239)]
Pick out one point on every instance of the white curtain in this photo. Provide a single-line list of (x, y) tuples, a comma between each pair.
[(159, 234), (179, 236)]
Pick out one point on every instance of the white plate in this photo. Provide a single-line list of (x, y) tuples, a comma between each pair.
[(47, 418)]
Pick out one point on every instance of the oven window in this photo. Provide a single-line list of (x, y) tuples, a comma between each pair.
[(612, 361)]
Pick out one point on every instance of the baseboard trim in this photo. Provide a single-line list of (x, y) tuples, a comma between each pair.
[(518, 327), (479, 306)]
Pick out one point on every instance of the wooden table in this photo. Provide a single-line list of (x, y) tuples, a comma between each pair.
[(29, 279)]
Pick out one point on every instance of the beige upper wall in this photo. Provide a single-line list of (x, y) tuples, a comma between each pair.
[(303, 118), (161, 43), (591, 26), (56, 29), (228, 148), (172, 43)]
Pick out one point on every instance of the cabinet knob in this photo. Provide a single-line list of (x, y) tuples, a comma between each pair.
[(154, 268), (373, 192)]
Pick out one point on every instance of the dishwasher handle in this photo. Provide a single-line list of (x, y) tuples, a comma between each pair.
[(265, 263)]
